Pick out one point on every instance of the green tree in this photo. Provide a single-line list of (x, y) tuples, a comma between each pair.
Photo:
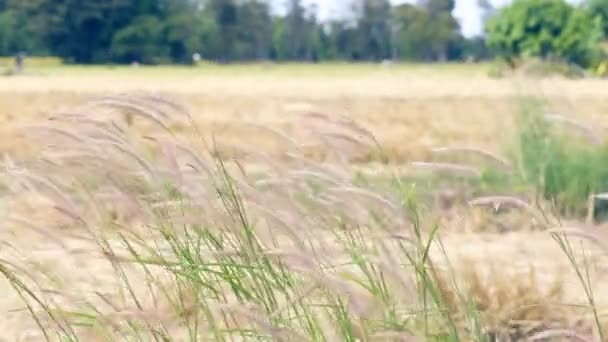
[(373, 29), (85, 31), (15, 35), (295, 37), (182, 34), (443, 29), (76, 30), (343, 40), (254, 30), (170, 31), (412, 35), (295, 28), (599, 8), (141, 42), (18, 31), (427, 31), (225, 14), (546, 29)]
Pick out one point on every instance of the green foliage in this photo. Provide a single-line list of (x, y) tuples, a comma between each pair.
[(14, 36), (159, 31), (8, 31), (182, 35), (373, 30), (425, 32), (599, 8), (547, 28), (139, 41), (564, 169)]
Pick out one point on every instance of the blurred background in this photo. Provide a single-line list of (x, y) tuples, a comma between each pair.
[(186, 31)]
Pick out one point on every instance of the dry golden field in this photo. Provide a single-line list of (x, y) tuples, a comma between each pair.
[(409, 108), (519, 276)]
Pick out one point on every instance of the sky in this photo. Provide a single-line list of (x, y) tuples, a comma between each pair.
[(466, 11)]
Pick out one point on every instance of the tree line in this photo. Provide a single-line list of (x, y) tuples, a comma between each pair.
[(172, 31)]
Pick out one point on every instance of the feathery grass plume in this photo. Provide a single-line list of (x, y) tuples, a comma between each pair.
[(307, 174), (275, 133), (553, 334), (332, 148), (478, 151), (348, 146), (295, 260), (255, 315), (586, 234), (63, 132), (138, 103), (463, 170), (133, 108), (94, 128), (290, 228), (164, 101), (341, 137), (260, 161), (339, 122), (581, 127), (337, 132), (43, 231), (130, 152), (201, 164), (582, 273), (497, 202), (214, 243), (390, 267), (368, 201), (306, 163)]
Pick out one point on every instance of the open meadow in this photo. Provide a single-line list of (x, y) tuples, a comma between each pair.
[(295, 202)]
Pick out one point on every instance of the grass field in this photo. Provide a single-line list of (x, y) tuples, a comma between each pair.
[(135, 229)]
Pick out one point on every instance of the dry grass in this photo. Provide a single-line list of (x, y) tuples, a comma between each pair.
[(139, 210), (426, 111)]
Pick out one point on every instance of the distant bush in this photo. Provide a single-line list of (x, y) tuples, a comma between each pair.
[(535, 68), (602, 69), (564, 169), (498, 69), (546, 68)]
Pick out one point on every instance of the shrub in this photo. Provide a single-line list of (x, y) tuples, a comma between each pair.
[(546, 68), (564, 168)]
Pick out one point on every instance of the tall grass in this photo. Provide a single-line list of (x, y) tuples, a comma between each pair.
[(206, 248), (552, 157), (565, 162)]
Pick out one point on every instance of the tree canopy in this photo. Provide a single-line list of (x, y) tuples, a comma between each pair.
[(171, 31), (164, 31), (546, 29)]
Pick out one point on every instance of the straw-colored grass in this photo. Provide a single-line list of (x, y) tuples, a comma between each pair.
[(410, 111), (126, 218)]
